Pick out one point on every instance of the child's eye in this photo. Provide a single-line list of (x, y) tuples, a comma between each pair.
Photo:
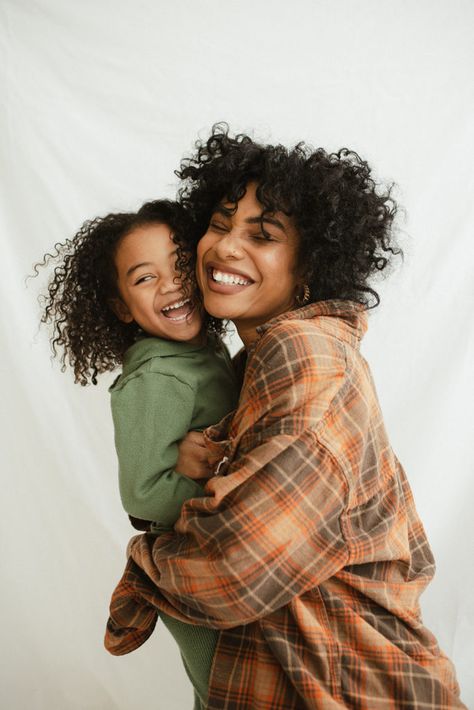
[(143, 279)]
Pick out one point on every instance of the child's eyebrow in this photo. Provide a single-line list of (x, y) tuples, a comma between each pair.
[(137, 266)]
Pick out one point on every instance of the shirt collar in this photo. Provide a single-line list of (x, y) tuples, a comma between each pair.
[(346, 320)]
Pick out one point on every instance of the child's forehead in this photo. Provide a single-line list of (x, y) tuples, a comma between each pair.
[(153, 240), (148, 236), (144, 232)]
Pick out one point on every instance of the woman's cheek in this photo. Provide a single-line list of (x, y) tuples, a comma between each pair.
[(202, 248)]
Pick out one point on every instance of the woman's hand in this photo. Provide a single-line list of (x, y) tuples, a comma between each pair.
[(192, 460)]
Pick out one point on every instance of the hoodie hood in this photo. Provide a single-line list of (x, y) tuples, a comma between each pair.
[(148, 348)]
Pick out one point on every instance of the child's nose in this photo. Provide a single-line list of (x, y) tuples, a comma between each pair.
[(169, 283)]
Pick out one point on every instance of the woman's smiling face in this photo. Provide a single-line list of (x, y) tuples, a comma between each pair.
[(244, 275)]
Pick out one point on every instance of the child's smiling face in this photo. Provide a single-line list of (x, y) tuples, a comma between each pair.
[(151, 293)]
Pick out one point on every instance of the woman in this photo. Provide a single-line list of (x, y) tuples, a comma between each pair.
[(307, 553)]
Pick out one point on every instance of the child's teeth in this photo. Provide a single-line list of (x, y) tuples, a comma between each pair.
[(178, 304)]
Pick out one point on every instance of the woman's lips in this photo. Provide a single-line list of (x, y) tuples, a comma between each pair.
[(222, 280)]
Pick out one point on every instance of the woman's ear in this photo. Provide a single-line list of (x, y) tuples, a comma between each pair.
[(120, 309)]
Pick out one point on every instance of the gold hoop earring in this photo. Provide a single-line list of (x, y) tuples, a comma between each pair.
[(303, 299)]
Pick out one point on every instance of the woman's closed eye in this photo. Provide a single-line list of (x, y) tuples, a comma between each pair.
[(263, 237), (218, 226)]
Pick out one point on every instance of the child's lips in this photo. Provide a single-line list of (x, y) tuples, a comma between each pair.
[(178, 312)]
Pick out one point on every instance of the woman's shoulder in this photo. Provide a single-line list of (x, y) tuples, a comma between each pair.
[(321, 331), (306, 343), (295, 367), (294, 363)]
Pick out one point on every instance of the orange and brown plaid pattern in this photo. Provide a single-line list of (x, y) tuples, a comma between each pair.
[(307, 553)]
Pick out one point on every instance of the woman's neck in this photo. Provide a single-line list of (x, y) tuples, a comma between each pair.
[(247, 334)]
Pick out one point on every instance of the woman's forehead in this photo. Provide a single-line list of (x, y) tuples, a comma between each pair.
[(248, 210), (249, 203)]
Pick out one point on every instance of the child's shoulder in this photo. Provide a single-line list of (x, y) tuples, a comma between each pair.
[(155, 356)]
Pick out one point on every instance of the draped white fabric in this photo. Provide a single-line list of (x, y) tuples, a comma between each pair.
[(99, 101)]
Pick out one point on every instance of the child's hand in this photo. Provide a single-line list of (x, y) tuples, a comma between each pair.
[(192, 460)]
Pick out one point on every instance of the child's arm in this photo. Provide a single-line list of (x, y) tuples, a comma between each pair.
[(151, 413)]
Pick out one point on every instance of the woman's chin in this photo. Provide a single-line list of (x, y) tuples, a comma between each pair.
[(216, 306), (216, 312)]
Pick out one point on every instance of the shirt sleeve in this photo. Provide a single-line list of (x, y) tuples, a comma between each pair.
[(271, 528), (151, 413)]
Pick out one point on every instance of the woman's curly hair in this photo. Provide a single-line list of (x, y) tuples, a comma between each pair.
[(343, 218), (91, 338)]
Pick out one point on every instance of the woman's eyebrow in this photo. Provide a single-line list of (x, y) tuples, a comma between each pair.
[(225, 212), (265, 218), (220, 209)]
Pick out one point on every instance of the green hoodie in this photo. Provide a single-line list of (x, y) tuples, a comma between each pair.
[(166, 389)]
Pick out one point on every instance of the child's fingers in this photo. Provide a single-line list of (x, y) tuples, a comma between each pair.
[(192, 458), (195, 437)]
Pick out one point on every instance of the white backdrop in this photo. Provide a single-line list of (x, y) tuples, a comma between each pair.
[(99, 101)]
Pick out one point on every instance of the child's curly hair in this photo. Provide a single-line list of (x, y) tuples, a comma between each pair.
[(343, 219), (90, 336)]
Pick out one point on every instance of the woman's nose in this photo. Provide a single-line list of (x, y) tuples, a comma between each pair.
[(229, 246)]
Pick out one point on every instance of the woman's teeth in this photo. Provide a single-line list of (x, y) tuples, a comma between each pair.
[(224, 278)]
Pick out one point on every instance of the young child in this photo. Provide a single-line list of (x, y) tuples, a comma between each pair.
[(120, 295)]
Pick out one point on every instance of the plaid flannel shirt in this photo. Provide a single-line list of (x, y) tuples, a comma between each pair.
[(307, 553)]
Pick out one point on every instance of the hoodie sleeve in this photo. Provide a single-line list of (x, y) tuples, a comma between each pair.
[(152, 412)]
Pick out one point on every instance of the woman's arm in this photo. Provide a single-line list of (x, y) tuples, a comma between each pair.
[(275, 536), (270, 529)]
